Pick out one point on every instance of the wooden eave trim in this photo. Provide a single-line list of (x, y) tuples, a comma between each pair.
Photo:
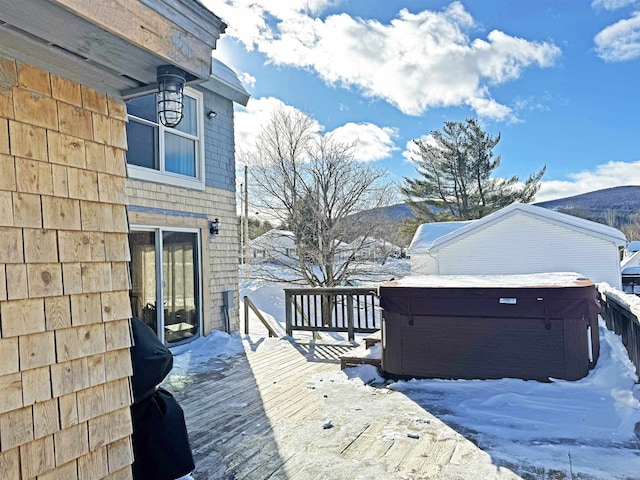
[(192, 16), (145, 28)]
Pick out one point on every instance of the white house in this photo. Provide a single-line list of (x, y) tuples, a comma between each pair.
[(276, 246), (519, 239), (373, 249)]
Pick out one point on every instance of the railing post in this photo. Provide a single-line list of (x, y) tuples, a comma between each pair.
[(350, 317), (287, 310), (246, 316)]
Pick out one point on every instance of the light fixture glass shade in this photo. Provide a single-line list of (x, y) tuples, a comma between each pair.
[(170, 95)]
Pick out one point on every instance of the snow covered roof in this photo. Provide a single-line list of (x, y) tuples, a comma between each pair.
[(224, 81), (631, 271), (632, 260), (633, 246), (370, 242), (428, 232), (568, 221), (271, 237), (552, 279)]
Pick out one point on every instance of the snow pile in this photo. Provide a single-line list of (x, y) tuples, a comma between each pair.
[(554, 279), (632, 302), (195, 357)]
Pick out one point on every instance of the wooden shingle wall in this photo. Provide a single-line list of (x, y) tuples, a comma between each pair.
[(65, 365)]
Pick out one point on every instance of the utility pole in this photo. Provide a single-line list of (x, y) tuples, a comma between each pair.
[(246, 223), (242, 224)]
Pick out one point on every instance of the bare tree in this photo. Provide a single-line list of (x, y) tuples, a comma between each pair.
[(631, 229), (312, 184), (610, 217)]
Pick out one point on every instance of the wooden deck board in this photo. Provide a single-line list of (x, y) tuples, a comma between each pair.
[(262, 415)]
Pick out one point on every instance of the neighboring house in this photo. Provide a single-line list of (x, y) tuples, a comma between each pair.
[(427, 233), (279, 246), (180, 181), (374, 249), (273, 246), (521, 239), (632, 247), (630, 268), (66, 68)]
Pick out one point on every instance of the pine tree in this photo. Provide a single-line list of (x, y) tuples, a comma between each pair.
[(456, 166)]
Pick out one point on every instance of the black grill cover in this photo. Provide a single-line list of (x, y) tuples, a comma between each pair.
[(151, 360), (160, 441)]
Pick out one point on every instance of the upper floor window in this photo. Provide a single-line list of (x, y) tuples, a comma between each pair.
[(162, 154)]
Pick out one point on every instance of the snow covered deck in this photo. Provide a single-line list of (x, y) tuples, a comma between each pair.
[(283, 410)]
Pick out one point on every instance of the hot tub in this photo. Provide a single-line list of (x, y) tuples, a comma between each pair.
[(532, 327)]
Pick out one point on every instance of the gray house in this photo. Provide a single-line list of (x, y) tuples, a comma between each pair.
[(182, 210)]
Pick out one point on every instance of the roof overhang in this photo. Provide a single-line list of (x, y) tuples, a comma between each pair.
[(225, 82), (114, 46)]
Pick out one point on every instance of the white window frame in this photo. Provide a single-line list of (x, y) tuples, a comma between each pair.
[(171, 178)]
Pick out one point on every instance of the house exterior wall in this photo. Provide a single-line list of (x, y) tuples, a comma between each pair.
[(162, 205), (524, 244), (423, 264), (65, 365)]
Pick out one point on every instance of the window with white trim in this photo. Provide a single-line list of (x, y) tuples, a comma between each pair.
[(162, 154)]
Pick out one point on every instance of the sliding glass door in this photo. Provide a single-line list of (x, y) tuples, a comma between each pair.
[(165, 278)]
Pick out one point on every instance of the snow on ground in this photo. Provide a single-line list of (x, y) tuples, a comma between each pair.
[(587, 425), (587, 428)]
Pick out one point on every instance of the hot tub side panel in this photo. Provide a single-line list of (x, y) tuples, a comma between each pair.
[(474, 348), (484, 333)]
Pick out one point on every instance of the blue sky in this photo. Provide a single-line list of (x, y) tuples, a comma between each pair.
[(557, 79)]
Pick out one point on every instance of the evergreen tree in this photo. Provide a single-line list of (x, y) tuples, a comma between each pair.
[(456, 166)]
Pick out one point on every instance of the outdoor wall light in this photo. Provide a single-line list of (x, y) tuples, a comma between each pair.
[(170, 95), (212, 114), (214, 227)]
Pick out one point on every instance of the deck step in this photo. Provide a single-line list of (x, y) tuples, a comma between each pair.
[(373, 339), (367, 355), (348, 362)]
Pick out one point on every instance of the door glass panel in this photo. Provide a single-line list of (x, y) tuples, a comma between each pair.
[(180, 278), (143, 277)]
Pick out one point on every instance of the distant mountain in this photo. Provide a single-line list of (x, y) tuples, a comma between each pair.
[(622, 201), (393, 213)]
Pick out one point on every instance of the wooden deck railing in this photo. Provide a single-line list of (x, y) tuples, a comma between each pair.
[(341, 309), (623, 320), (248, 304)]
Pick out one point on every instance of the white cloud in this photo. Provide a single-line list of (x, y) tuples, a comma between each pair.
[(612, 4), (250, 20), (410, 148), (247, 79), (373, 142), (611, 174), (620, 41), (415, 62), (248, 121)]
